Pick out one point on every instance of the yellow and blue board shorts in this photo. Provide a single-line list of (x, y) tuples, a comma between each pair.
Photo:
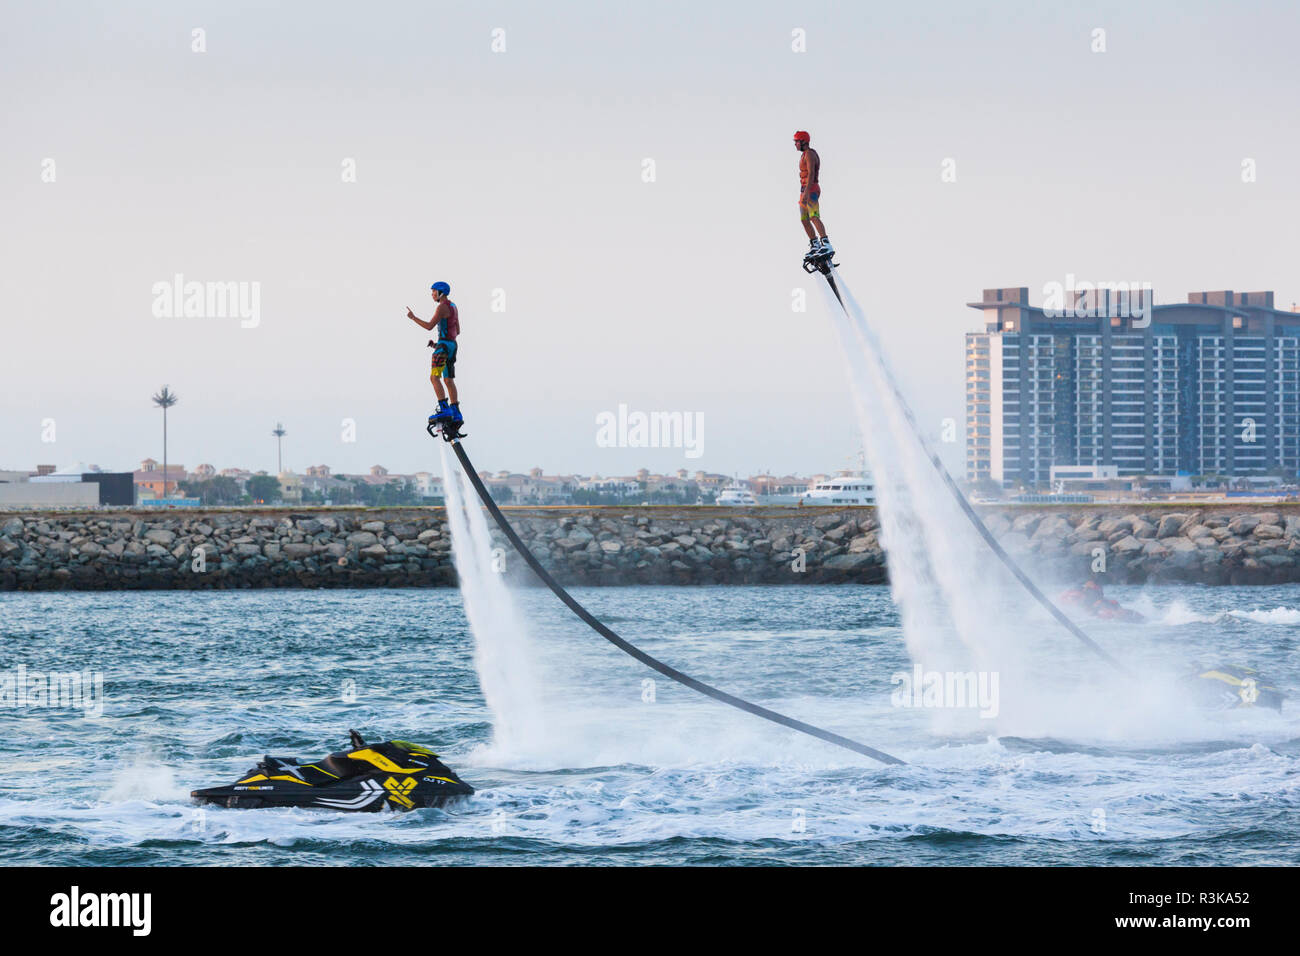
[(444, 360), (810, 209)]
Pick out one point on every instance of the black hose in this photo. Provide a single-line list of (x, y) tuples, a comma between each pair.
[(651, 662)]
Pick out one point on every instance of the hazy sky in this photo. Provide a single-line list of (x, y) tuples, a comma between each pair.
[(522, 171)]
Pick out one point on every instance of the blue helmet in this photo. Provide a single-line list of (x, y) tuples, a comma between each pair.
[(441, 287)]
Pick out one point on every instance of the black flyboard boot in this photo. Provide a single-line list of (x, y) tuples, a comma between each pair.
[(818, 259), (446, 430), (819, 262)]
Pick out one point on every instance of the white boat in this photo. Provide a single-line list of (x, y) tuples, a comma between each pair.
[(846, 488), (737, 495)]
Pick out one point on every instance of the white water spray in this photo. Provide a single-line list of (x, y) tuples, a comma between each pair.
[(961, 611), (502, 653), (939, 574)]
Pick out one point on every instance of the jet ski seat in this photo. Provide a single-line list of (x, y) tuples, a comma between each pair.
[(342, 766)]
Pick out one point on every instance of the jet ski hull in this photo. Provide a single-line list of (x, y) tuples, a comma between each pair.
[(370, 796)]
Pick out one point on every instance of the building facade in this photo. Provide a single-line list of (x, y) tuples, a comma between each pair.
[(150, 482), (1207, 387)]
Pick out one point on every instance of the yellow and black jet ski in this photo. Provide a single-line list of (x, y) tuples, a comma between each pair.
[(1227, 686), (369, 777)]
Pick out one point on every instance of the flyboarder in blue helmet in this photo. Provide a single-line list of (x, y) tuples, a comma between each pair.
[(446, 319)]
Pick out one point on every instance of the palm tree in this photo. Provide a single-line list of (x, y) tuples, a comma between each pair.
[(165, 400), (279, 433)]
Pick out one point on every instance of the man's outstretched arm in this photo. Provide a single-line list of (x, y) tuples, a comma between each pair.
[(427, 326)]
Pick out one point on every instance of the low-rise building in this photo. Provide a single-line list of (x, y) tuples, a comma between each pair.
[(611, 486), (290, 488), (772, 486), (76, 486), (711, 483), (151, 482), (428, 485)]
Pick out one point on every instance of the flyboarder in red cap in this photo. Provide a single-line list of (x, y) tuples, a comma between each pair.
[(810, 191)]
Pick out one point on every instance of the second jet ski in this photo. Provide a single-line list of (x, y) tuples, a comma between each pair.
[(396, 774), (1226, 687)]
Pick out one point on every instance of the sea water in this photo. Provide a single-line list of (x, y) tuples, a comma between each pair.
[(633, 769)]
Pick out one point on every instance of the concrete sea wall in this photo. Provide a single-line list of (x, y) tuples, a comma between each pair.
[(411, 547)]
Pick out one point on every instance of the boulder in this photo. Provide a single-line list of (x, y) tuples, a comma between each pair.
[(849, 562), (1127, 544), (1170, 525), (1014, 542), (1243, 525), (1142, 528), (862, 543), (1026, 524), (1053, 526), (997, 524)]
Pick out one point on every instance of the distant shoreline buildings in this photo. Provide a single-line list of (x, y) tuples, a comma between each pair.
[(1106, 392), (1115, 387), (206, 485)]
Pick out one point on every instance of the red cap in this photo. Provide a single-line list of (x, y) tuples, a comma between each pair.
[(801, 136)]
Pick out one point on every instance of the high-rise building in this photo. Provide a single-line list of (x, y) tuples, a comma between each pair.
[(1207, 387)]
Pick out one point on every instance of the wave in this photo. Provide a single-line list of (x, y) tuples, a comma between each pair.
[(1179, 614)]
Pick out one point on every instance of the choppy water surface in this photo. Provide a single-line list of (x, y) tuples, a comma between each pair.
[(1074, 768)]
